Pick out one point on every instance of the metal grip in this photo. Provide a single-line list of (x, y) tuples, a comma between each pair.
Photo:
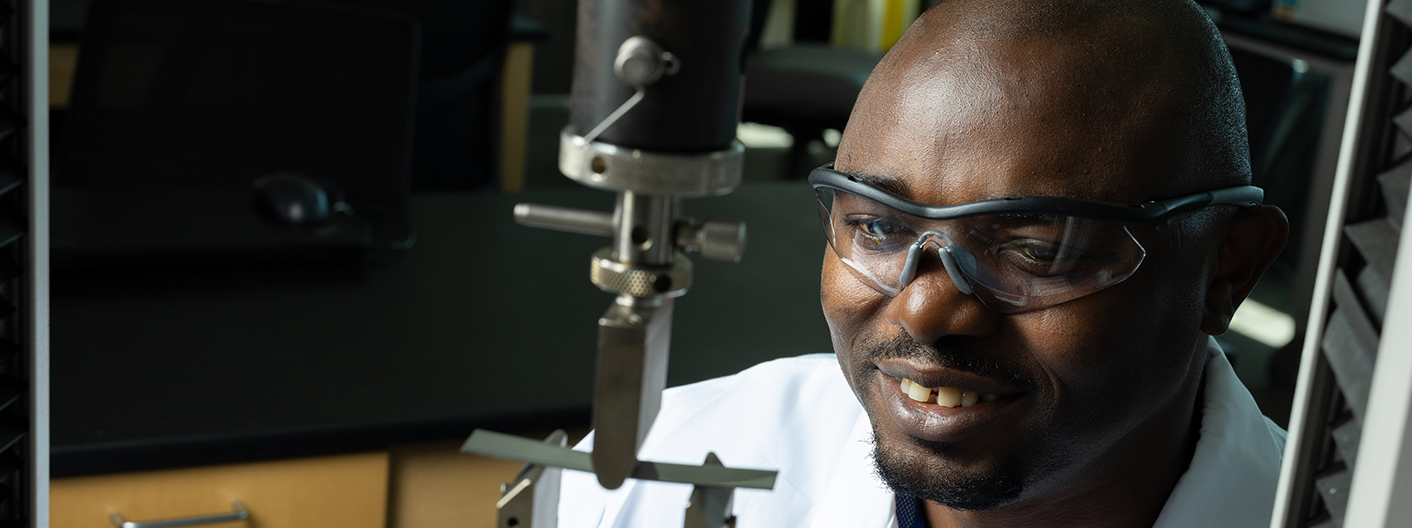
[(240, 513), (710, 506), (564, 219), (714, 239), (632, 371), (640, 281), (531, 500)]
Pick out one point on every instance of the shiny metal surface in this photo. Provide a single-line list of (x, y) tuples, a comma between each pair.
[(500, 445), (714, 239), (612, 168), (643, 233), (240, 513), (531, 499), (633, 339), (710, 506), (636, 280), (564, 219), (654, 141), (641, 62)]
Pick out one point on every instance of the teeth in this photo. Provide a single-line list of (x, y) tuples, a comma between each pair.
[(944, 396), (969, 398), (918, 392), (948, 396)]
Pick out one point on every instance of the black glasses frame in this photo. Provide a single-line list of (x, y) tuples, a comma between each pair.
[(1107, 212)]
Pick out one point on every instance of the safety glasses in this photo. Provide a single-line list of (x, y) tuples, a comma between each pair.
[(1014, 254)]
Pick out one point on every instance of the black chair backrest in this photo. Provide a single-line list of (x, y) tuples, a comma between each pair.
[(458, 106), (219, 92)]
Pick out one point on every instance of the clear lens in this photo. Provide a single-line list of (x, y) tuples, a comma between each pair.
[(1014, 263)]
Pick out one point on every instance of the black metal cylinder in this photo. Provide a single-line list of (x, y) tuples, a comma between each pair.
[(695, 110)]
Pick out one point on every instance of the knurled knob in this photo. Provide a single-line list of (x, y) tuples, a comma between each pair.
[(714, 239), (639, 280)]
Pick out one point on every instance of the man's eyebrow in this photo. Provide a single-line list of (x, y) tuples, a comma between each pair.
[(895, 186)]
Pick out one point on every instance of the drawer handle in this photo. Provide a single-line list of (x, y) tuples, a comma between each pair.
[(239, 513)]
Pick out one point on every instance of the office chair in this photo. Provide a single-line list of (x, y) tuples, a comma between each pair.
[(805, 88), (457, 144)]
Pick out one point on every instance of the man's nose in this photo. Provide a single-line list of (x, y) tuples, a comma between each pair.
[(931, 307)]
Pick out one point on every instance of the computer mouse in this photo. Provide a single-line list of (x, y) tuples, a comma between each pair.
[(292, 198)]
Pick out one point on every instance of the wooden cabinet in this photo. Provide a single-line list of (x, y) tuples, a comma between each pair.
[(345, 491), (419, 486), (435, 486)]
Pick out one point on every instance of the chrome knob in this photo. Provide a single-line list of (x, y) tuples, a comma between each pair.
[(641, 62), (714, 239)]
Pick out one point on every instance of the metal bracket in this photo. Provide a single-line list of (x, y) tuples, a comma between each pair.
[(531, 500), (631, 373), (710, 506), (239, 512), (612, 168), (510, 447)]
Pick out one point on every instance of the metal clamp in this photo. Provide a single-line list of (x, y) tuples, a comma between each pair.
[(531, 500), (510, 447), (714, 239), (240, 513), (611, 168), (710, 506), (637, 280)]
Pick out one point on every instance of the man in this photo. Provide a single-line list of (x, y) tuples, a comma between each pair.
[(1023, 348)]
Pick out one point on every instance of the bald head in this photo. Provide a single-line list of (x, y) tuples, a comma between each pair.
[(1121, 101), (1107, 99)]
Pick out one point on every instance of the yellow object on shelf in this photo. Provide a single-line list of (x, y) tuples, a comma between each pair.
[(874, 25)]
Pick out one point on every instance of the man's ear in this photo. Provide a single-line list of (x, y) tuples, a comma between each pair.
[(1256, 237)]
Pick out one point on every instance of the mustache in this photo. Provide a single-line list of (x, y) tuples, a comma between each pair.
[(948, 353)]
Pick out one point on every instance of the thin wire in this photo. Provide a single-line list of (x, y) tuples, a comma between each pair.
[(613, 117)]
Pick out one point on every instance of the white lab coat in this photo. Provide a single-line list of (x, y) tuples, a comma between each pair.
[(799, 416)]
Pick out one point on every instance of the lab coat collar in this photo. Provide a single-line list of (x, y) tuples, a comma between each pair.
[(857, 497), (1232, 477), (1230, 482)]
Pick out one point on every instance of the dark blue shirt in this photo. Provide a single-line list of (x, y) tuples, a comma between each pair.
[(909, 512)]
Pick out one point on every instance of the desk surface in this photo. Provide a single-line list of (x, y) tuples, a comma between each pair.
[(483, 324)]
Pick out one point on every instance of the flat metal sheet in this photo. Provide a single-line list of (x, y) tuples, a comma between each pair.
[(512, 447)]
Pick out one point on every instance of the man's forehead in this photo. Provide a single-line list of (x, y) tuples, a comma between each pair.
[(954, 119)]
